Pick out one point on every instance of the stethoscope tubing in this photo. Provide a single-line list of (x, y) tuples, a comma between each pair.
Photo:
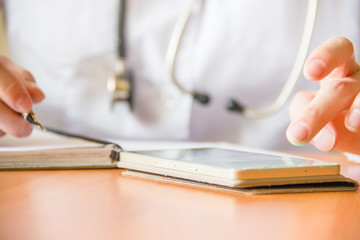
[(175, 42)]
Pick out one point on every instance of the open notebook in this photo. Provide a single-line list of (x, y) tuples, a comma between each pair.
[(211, 165)]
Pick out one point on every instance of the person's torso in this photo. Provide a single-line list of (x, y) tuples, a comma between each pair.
[(230, 49)]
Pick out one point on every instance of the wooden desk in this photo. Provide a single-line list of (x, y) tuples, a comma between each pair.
[(103, 204)]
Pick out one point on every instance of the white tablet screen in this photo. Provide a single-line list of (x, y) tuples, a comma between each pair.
[(230, 158)]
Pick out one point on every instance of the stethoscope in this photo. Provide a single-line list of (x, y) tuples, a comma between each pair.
[(121, 84)]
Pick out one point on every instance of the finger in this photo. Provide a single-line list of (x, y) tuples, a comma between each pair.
[(19, 72), (13, 92), (352, 120), (13, 123), (326, 139), (295, 133), (334, 97), (300, 100), (2, 133), (26, 77), (334, 134), (35, 93), (335, 57), (345, 140)]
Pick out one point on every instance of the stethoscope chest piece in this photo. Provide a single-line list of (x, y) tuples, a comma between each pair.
[(120, 85)]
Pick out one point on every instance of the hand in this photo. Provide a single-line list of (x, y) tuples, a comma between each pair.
[(18, 92), (330, 117)]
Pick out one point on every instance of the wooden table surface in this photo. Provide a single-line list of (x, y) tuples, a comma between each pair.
[(103, 204)]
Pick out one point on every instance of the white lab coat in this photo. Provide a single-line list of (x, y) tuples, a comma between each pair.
[(236, 48)]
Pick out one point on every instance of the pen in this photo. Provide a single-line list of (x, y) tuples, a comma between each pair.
[(30, 117)]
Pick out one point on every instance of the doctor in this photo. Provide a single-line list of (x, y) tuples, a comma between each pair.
[(238, 49)]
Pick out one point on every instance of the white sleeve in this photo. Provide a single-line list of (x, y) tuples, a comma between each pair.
[(352, 157)]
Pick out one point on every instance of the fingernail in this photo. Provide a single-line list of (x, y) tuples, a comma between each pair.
[(30, 78), (25, 130), (353, 120), (298, 133), (324, 140), (33, 84), (23, 104), (315, 68)]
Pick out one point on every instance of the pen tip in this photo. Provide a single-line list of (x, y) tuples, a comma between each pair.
[(30, 117)]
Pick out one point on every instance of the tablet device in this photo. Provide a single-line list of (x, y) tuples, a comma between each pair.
[(229, 167)]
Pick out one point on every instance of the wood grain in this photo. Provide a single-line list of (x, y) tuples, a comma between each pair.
[(103, 204)]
